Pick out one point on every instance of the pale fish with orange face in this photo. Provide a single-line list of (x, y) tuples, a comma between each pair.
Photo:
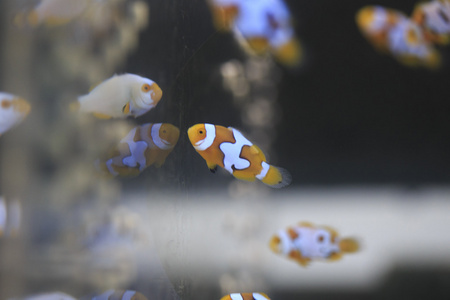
[(53, 12), (120, 295), (391, 32), (434, 18), (306, 242), (245, 296), (145, 145), (120, 96), (264, 26), (229, 149), (13, 110)]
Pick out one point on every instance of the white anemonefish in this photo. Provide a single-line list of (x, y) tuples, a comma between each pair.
[(264, 25), (120, 295), (306, 242), (391, 32), (434, 18), (13, 110), (245, 296), (229, 149), (142, 147), (120, 96), (52, 12)]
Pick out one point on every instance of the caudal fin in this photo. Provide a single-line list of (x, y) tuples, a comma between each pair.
[(349, 245), (277, 177)]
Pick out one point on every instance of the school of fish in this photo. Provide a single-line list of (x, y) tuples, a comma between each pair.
[(410, 40)]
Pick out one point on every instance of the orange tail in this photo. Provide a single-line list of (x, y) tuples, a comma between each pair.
[(349, 245), (277, 177)]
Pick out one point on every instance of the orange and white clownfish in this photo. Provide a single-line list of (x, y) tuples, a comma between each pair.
[(391, 32), (13, 110), (120, 96), (229, 149), (306, 242), (246, 296), (434, 18), (52, 13), (120, 295), (264, 26), (145, 145)]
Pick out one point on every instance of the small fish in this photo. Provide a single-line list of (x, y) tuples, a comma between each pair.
[(246, 296), (120, 96), (13, 110), (48, 296), (120, 295), (145, 145), (52, 13), (306, 242), (229, 149), (264, 26), (434, 18), (391, 32)]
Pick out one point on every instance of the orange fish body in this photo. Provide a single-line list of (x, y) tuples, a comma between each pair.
[(229, 149), (306, 242), (246, 296), (145, 145)]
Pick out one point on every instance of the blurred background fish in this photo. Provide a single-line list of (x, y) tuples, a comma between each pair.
[(392, 32), (246, 296), (434, 19), (13, 110), (306, 242), (120, 295)]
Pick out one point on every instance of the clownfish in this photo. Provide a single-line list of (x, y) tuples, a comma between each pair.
[(391, 32), (264, 25), (229, 149), (245, 296), (13, 110), (120, 96), (52, 13), (306, 242), (120, 295), (434, 19), (145, 145)]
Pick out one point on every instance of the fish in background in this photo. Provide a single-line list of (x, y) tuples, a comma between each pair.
[(13, 111), (120, 295), (119, 97), (229, 149), (246, 296), (145, 145), (52, 13), (392, 32), (263, 26), (306, 242), (434, 19), (47, 296)]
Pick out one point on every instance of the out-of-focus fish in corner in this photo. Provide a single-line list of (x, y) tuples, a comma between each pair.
[(391, 32), (120, 295), (13, 110), (306, 242), (145, 145), (265, 26), (229, 149), (52, 13), (120, 96), (245, 296), (434, 19)]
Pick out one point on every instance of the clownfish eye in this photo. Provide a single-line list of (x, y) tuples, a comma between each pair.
[(145, 88), (320, 238), (164, 131), (200, 131), (6, 104)]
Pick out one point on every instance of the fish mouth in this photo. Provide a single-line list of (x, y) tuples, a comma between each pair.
[(155, 93), (166, 142), (200, 142), (21, 105)]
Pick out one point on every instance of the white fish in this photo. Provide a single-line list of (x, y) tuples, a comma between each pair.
[(121, 96), (120, 295), (13, 110)]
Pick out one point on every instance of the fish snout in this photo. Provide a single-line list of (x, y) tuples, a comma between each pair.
[(21, 105), (155, 92)]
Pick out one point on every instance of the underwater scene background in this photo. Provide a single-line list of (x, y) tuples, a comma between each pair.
[(364, 138)]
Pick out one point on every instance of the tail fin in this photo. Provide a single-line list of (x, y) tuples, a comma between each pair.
[(277, 177), (275, 244), (349, 245), (289, 54)]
